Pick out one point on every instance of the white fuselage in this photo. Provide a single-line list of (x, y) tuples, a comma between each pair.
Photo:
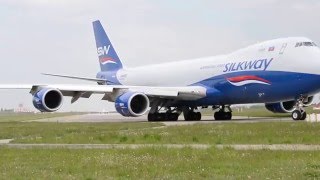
[(283, 53)]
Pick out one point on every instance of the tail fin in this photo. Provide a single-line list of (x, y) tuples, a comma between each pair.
[(108, 58)]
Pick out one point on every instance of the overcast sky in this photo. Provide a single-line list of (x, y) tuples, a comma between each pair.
[(55, 36)]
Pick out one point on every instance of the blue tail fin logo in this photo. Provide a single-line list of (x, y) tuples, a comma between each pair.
[(108, 58), (104, 51)]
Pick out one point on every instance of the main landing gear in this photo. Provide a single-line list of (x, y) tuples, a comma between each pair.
[(224, 113), (170, 114), (158, 113), (173, 113), (190, 115), (299, 113)]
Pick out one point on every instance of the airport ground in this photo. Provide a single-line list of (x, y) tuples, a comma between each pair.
[(99, 146)]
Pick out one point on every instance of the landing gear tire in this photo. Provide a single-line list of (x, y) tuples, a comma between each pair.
[(192, 116), (163, 113), (155, 117), (224, 113), (220, 115), (298, 115), (163, 117), (172, 116), (304, 116), (152, 117)]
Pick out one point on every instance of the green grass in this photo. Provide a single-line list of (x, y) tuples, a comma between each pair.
[(17, 117), (157, 163), (259, 112), (141, 133)]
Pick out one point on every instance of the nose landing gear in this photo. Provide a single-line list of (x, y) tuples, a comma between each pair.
[(299, 113)]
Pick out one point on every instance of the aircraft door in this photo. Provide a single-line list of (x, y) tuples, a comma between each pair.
[(283, 48)]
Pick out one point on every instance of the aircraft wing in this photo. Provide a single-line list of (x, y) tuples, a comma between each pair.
[(112, 91), (76, 77)]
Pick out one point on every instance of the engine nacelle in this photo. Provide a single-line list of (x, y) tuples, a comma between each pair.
[(287, 106), (132, 104), (308, 101), (281, 107), (47, 100)]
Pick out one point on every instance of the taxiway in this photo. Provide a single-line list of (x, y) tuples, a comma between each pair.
[(114, 117)]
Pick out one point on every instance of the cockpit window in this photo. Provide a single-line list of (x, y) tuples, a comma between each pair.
[(299, 44), (307, 44)]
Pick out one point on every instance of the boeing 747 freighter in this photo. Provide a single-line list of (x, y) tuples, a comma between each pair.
[(282, 73)]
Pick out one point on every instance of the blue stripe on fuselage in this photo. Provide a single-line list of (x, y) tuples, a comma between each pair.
[(283, 86)]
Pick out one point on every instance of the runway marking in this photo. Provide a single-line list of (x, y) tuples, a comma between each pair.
[(273, 147), (5, 141), (105, 146)]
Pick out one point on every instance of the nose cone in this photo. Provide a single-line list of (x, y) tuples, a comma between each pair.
[(313, 60), (316, 54)]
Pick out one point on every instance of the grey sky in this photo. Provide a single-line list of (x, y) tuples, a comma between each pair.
[(56, 36)]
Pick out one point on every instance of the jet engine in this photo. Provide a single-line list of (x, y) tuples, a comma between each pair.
[(281, 107), (132, 104), (47, 100), (287, 106), (308, 101)]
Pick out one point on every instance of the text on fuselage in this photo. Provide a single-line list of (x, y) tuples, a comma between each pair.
[(261, 64)]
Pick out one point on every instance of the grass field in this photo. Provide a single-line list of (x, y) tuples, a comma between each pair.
[(156, 133), (259, 112), (157, 163)]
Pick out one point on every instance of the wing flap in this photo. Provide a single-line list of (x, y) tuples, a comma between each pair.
[(77, 95), (179, 93)]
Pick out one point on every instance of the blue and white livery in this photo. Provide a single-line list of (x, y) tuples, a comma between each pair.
[(282, 73)]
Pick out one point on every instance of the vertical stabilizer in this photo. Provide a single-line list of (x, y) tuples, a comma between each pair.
[(108, 58)]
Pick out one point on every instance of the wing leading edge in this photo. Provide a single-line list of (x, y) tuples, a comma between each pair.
[(112, 91)]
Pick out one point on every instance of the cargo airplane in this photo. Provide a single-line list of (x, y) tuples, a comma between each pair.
[(282, 73)]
